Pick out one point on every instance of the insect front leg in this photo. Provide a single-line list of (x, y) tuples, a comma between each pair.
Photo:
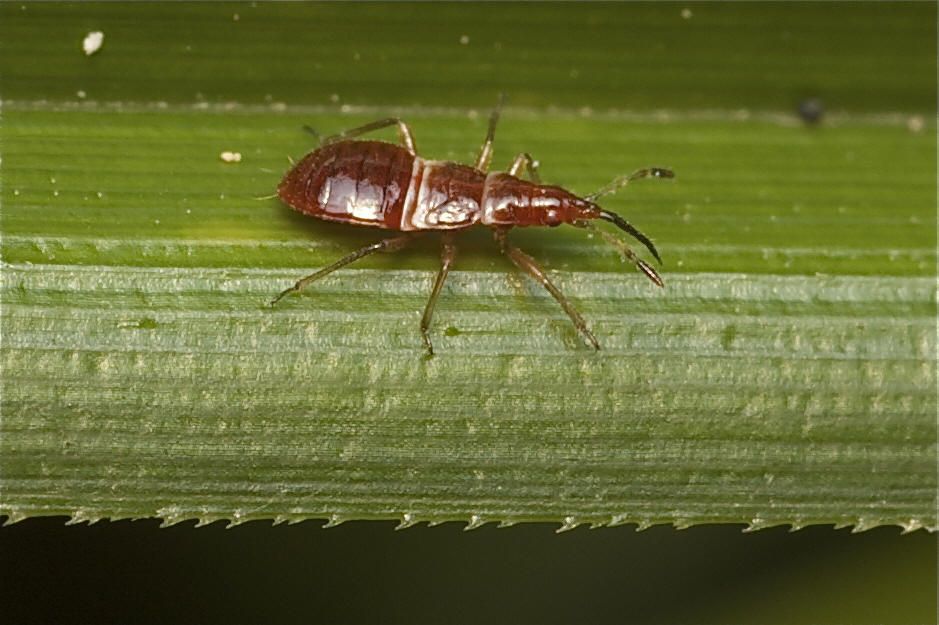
[(385, 245), (447, 256), (530, 164), (404, 132), (527, 264)]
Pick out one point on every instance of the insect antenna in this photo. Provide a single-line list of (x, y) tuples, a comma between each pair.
[(622, 224), (618, 183), (624, 249)]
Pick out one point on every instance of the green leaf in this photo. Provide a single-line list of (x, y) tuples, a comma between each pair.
[(785, 375)]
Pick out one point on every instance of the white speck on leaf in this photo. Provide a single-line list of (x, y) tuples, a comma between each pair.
[(92, 42)]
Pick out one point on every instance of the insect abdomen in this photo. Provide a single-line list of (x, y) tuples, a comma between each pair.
[(358, 182), (371, 183)]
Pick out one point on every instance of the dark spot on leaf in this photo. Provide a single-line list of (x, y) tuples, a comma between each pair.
[(728, 336)]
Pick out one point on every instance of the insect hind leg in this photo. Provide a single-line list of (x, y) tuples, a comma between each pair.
[(314, 132), (385, 245), (527, 264), (404, 133)]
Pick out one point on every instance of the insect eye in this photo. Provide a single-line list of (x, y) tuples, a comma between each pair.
[(552, 218)]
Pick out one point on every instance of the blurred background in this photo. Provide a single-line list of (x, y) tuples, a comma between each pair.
[(365, 572)]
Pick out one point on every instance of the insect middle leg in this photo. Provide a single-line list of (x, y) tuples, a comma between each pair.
[(485, 152), (404, 132), (385, 245), (447, 256), (530, 164), (527, 264)]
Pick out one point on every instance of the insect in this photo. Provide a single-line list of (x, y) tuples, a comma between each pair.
[(384, 185)]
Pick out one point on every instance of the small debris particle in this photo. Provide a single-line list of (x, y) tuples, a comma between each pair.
[(686, 13), (235, 17), (99, 194), (230, 157), (334, 97), (92, 42), (81, 93), (810, 110), (147, 324), (464, 39), (915, 124)]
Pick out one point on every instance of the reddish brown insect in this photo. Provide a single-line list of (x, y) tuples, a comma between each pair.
[(372, 183)]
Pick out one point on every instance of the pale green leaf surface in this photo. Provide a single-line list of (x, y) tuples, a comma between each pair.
[(785, 375)]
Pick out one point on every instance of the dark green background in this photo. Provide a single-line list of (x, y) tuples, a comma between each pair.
[(367, 573), (639, 56), (629, 57)]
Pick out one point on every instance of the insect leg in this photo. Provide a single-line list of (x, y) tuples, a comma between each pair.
[(404, 132), (447, 256), (313, 131), (485, 152), (385, 245), (527, 264), (530, 164)]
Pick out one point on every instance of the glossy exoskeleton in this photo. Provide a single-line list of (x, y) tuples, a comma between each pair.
[(383, 185)]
